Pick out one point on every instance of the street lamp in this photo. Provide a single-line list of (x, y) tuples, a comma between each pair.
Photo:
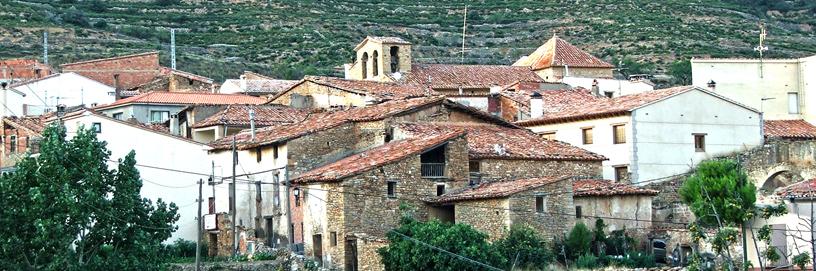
[(762, 103)]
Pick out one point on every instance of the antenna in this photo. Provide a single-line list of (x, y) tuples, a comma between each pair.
[(173, 48), (45, 46), (761, 47), (464, 28)]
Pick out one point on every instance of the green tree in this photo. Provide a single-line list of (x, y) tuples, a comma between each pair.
[(405, 252), (524, 247), (66, 210), (579, 241), (76, 17), (721, 197), (681, 71), (97, 6)]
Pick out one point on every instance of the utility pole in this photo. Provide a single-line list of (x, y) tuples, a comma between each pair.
[(232, 201), (291, 231), (464, 28), (173, 48), (200, 226)]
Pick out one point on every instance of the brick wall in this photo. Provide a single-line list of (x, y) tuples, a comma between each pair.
[(24, 142), (132, 70), (23, 69)]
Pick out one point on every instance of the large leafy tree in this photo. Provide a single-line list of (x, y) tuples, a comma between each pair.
[(66, 210), (525, 248), (411, 247)]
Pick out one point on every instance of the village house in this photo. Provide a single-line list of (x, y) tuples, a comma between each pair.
[(792, 233), (20, 70), (254, 84), (173, 81), (331, 92), (779, 88), (620, 205), (162, 106), (231, 119), (43, 95), (21, 135), (513, 102), (636, 132), (121, 72), (156, 152), (557, 59)]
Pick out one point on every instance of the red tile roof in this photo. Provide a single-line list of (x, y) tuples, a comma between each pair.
[(790, 129), (555, 100), (265, 115), (185, 98), (379, 90), (557, 52), (592, 187), (108, 59), (803, 189), (497, 189), (497, 142), (567, 110), (34, 125), (388, 153), (446, 76), (323, 121)]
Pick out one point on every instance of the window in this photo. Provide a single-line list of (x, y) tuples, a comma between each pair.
[(440, 189), (619, 134), (548, 135), (159, 116), (117, 116), (793, 103), (578, 212), (275, 151), (392, 189), (13, 144), (699, 142), (621, 173), (258, 154), (586, 135), (364, 65), (539, 205), (433, 163), (474, 166), (608, 94), (97, 127), (374, 68), (394, 59), (333, 238), (211, 205)]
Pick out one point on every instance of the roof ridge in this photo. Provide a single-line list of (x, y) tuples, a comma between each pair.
[(110, 58)]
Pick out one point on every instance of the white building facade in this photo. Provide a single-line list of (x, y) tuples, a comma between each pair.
[(170, 166), (661, 138), (69, 89)]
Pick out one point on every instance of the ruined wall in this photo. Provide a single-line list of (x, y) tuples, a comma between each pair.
[(505, 169), (636, 212), (131, 70)]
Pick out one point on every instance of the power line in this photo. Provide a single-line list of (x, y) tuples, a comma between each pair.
[(445, 251)]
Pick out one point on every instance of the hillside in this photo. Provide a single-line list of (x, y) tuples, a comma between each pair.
[(290, 38)]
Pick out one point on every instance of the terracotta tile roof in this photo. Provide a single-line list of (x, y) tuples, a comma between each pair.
[(34, 125), (438, 76), (258, 86), (185, 98), (554, 100), (557, 52), (388, 153), (497, 189), (379, 90), (790, 129), (567, 110), (265, 115), (497, 142), (323, 121), (108, 59), (803, 189), (593, 187)]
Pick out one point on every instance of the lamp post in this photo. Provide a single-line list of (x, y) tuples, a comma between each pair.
[(762, 103)]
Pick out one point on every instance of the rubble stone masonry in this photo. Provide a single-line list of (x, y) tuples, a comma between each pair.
[(506, 169)]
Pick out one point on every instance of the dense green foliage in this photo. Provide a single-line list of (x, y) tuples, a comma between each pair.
[(290, 38), (719, 189), (66, 210), (578, 241), (525, 248)]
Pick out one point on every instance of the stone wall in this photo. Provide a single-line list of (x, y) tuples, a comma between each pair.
[(635, 212), (556, 73), (132, 70), (556, 219), (322, 96), (505, 169), (313, 150), (490, 216), (368, 258)]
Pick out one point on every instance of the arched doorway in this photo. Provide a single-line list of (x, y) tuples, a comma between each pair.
[(778, 180)]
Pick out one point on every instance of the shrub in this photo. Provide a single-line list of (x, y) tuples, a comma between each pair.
[(76, 17), (525, 247), (264, 256), (587, 261), (101, 24), (180, 249), (578, 241)]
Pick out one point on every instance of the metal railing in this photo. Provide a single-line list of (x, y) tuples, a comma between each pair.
[(433, 170)]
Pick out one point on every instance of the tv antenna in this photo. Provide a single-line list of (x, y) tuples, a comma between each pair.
[(45, 46), (761, 47), (464, 34), (173, 48)]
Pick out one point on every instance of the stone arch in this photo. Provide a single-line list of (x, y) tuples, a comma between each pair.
[(374, 59), (777, 177), (364, 64)]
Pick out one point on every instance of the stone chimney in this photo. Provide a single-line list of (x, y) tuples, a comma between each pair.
[(494, 101), (596, 91), (536, 105)]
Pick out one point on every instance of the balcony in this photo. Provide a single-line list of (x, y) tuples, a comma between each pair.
[(433, 170)]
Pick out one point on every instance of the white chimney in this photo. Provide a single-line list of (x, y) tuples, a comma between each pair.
[(243, 85), (495, 89), (174, 124), (252, 122), (536, 105)]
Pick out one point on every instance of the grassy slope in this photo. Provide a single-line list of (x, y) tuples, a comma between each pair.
[(290, 38)]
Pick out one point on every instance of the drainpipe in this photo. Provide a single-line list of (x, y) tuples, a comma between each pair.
[(633, 166)]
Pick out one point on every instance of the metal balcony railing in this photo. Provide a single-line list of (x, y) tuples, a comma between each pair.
[(433, 170)]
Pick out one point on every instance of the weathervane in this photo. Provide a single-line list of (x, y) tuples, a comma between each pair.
[(761, 47)]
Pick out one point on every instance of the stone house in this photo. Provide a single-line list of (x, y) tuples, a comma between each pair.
[(779, 88), (173, 80), (20, 70), (543, 203), (331, 92), (121, 72), (557, 59), (255, 84), (161, 106), (515, 101), (206, 123), (621, 206), (651, 135), (21, 135)]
